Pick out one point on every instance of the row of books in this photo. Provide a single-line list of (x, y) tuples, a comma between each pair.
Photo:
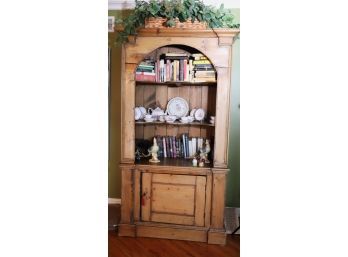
[(177, 67), (203, 69), (178, 147), (146, 71)]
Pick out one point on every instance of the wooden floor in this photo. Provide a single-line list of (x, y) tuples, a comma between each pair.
[(152, 247)]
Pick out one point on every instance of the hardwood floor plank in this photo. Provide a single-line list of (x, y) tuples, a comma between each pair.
[(152, 247)]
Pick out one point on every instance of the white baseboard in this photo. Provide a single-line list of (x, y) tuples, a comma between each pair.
[(114, 201)]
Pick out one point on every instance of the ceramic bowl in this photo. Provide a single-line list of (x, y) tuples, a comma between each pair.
[(170, 118), (191, 119), (149, 119), (148, 116)]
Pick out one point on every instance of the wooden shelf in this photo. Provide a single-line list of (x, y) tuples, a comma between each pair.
[(175, 83), (178, 162), (176, 123)]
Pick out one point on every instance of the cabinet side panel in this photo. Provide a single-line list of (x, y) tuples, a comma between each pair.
[(127, 114), (127, 196), (222, 117), (218, 201)]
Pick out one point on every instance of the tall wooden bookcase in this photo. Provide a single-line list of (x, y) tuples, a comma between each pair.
[(172, 199)]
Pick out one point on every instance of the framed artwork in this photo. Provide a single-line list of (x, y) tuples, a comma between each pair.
[(111, 23)]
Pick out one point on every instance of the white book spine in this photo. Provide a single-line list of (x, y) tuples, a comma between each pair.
[(164, 147), (190, 148), (194, 145)]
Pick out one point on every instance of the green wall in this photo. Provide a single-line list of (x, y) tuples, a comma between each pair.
[(232, 192)]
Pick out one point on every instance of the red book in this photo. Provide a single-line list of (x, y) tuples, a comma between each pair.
[(145, 76)]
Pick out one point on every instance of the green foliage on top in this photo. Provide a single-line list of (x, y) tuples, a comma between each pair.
[(171, 9)]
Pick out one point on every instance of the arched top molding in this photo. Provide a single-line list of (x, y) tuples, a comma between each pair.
[(215, 44)]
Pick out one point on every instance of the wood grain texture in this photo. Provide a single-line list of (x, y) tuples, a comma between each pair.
[(127, 196), (216, 237), (174, 199), (172, 218), (222, 117), (200, 200), (174, 179), (218, 201), (172, 233), (126, 230), (208, 193), (146, 197), (151, 247), (137, 194)]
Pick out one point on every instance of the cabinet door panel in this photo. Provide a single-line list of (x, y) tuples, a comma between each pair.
[(176, 199), (146, 197), (173, 199)]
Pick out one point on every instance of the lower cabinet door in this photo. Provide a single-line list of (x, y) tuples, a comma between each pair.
[(176, 199)]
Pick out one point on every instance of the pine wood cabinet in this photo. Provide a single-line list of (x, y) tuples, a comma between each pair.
[(172, 199)]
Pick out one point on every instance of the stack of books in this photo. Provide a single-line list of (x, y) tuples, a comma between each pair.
[(179, 147), (146, 71), (174, 67), (203, 69)]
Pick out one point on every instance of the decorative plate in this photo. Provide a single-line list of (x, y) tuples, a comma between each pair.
[(178, 106), (143, 111), (199, 114), (192, 113), (137, 113)]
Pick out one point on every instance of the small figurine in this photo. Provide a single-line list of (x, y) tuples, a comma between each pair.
[(153, 151), (201, 163), (205, 151), (137, 154)]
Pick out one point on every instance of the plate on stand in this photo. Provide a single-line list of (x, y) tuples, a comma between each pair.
[(178, 106), (199, 114)]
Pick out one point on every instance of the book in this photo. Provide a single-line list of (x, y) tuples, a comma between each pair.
[(184, 145), (176, 55), (177, 148), (174, 147), (187, 146), (164, 147), (201, 62), (194, 146), (145, 76), (190, 148)]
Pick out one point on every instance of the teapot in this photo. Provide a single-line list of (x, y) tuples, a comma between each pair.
[(157, 112)]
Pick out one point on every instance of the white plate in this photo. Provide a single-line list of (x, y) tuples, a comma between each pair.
[(192, 113), (177, 106), (137, 113), (199, 114), (143, 111)]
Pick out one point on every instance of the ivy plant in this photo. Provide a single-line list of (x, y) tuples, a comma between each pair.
[(172, 9)]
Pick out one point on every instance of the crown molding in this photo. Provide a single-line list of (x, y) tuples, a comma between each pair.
[(121, 4)]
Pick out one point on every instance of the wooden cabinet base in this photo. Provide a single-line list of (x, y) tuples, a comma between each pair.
[(126, 230), (172, 232), (177, 232), (217, 237)]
